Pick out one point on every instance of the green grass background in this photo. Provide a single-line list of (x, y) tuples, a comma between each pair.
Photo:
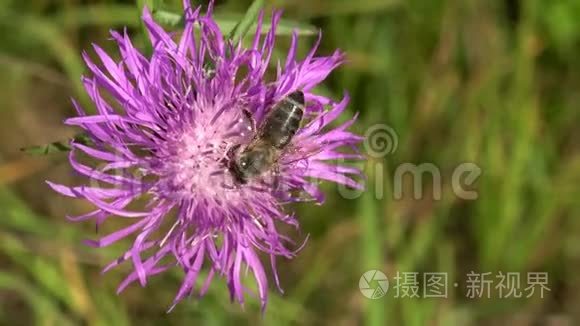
[(492, 82)]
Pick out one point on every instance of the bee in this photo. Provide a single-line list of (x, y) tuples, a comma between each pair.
[(271, 138)]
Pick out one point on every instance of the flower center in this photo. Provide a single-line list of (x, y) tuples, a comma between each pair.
[(194, 160)]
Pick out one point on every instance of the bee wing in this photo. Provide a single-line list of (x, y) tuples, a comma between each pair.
[(242, 129), (298, 164), (299, 160), (300, 190), (247, 123)]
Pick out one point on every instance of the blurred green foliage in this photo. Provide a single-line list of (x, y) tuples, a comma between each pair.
[(490, 82)]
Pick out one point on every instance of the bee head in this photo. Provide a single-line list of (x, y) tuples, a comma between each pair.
[(248, 164)]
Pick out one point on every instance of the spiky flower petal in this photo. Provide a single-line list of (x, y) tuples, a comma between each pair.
[(162, 131)]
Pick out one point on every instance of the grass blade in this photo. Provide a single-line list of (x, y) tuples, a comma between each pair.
[(239, 31)]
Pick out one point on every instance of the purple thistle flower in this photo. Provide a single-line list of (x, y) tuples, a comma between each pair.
[(163, 130)]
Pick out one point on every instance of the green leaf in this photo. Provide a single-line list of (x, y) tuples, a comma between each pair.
[(168, 18), (56, 147), (238, 32), (152, 5), (285, 27), (228, 21)]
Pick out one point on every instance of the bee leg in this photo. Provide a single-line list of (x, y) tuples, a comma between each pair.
[(276, 178), (249, 119), (232, 150), (230, 154), (229, 186)]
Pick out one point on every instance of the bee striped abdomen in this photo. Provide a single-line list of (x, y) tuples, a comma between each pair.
[(275, 132), (283, 121)]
